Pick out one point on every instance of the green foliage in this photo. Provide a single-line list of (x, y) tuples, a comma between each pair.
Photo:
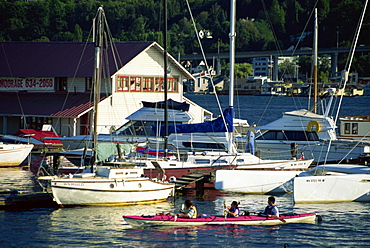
[(324, 77), (241, 70), (267, 25), (287, 67)]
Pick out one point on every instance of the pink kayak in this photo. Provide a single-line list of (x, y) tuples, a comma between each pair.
[(170, 220)]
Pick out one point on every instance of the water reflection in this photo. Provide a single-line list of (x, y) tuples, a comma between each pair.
[(344, 224)]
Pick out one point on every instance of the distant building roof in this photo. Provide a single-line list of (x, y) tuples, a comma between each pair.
[(61, 59), (45, 104)]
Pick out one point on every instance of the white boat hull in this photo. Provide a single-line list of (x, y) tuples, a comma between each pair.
[(102, 191), (13, 154), (255, 181), (332, 188)]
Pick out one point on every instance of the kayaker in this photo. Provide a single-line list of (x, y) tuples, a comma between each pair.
[(271, 210), (233, 210), (190, 212)]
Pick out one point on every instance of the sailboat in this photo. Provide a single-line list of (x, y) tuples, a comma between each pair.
[(13, 154), (271, 177), (115, 183), (334, 182)]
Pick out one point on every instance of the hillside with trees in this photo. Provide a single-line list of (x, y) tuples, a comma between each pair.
[(261, 24)]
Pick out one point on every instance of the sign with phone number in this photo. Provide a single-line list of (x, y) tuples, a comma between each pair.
[(28, 84)]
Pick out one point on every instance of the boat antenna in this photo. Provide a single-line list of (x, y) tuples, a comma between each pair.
[(315, 74)]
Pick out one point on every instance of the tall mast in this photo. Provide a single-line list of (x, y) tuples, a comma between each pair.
[(165, 66), (97, 77), (232, 60), (315, 52)]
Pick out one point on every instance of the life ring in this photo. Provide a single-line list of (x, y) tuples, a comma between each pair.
[(313, 123)]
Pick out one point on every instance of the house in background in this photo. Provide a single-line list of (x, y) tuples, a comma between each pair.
[(366, 89), (203, 79), (51, 83), (275, 88)]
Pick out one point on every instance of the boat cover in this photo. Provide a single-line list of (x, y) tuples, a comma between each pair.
[(105, 150), (221, 124), (172, 104)]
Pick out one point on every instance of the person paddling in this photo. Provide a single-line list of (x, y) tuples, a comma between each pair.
[(271, 210), (233, 210), (190, 212)]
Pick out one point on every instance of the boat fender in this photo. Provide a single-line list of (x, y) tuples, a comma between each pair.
[(172, 179), (316, 125)]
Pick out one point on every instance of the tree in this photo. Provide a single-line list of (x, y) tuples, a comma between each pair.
[(241, 70), (277, 17), (287, 67)]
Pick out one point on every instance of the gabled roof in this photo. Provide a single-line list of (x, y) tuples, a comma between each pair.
[(62, 59), (45, 104)]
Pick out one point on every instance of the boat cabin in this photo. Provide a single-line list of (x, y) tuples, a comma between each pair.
[(355, 127)]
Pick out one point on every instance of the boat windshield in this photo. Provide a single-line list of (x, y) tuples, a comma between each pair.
[(289, 136)]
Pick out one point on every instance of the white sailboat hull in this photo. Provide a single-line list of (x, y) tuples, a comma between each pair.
[(332, 188), (255, 181), (13, 154), (103, 191)]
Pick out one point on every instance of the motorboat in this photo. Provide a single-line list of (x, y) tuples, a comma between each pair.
[(333, 183), (336, 182), (310, 135)]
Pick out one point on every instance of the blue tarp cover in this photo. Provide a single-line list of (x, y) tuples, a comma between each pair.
[(217, 125)]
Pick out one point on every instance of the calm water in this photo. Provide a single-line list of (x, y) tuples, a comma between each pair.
[(343, 225)]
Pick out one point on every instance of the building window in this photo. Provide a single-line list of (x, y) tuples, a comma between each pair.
[(123, 83), (61, 83), (88, 83), (146, 84), (175, 82), (159, 84), (347, 127), (354, 128), (35, 122)]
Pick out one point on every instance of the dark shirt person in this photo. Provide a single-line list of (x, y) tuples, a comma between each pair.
[(271, 210)]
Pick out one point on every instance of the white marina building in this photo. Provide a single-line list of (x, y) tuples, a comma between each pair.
[(50, 83)]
